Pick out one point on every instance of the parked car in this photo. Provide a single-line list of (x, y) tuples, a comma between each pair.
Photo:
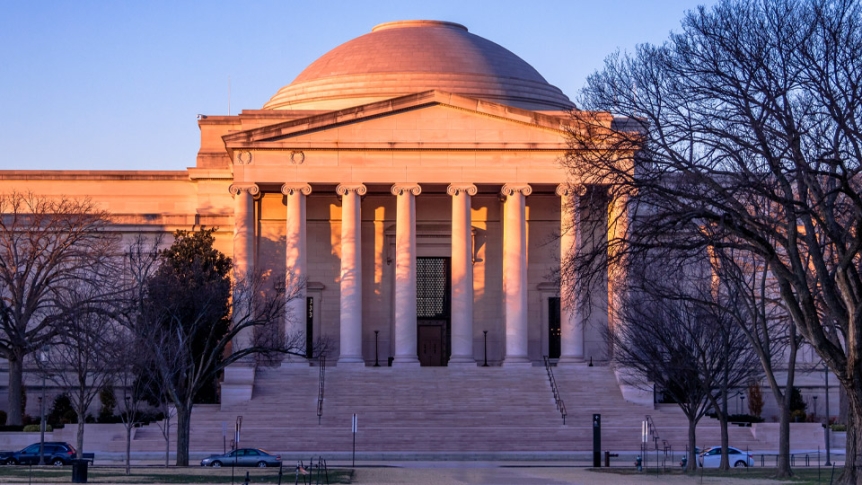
[(57, 453), (711, 457), (243, 457)]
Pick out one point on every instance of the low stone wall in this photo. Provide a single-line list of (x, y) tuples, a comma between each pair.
[(95, 434)]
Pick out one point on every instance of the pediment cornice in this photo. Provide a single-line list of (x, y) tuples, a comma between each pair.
[(280, 135)]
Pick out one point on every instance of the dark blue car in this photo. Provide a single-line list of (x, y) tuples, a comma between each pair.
[(56, 453)]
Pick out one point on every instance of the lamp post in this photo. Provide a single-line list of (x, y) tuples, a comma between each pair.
[(742, 405), (43, 358), (815, 405), (486, 348), (376, 362)]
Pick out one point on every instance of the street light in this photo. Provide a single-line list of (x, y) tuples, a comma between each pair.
[(815, 405)]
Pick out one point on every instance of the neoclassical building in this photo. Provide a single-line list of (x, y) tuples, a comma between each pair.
[(412, 178)]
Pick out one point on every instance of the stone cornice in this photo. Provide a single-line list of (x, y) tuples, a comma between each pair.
[(393, 146), (381, 108), (178, 175)]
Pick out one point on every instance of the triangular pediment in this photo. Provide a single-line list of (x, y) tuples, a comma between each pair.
[(431, 119)]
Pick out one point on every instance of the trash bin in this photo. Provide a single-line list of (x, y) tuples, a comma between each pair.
[(79, 471)]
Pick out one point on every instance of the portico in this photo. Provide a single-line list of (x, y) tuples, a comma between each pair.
[(371, 262)]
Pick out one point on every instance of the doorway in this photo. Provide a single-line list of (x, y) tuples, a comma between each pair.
[(433, 311), (554, 327)]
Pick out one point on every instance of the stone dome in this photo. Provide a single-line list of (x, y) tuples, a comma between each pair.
[(406, 57)]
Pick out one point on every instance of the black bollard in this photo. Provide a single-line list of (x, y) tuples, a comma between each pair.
[(597, 440)]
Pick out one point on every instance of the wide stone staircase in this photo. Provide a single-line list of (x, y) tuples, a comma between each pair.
[(440, 412)]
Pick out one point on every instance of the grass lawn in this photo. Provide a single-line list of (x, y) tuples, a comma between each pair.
[(802, 476), (98, 474)]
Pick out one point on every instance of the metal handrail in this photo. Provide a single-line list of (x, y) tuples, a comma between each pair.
[(652, 431), (320, 386), (558, 400)]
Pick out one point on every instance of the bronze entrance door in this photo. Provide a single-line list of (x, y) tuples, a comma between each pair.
[(433, 290), (430, 345)]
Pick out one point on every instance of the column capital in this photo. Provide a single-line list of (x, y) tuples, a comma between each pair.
[(458, 189), (289, 189), (404, 187), (512, 189), (239, 188), (344, 189), (565, 190)]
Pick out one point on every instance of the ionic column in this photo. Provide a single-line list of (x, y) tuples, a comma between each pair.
[(462, 274), (239, 377), (618, 223), (571, 322), (405, 274), (515, 271), (243, 253), (351, 274), (295, 261)]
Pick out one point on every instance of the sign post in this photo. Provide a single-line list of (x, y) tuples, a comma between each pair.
[(354, 440)]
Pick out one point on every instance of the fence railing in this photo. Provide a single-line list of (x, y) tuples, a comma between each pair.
[(321, 386)]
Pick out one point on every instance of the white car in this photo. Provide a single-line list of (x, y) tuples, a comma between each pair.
[(711, 457)]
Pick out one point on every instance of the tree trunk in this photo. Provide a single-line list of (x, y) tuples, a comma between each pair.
[(725, 440), (782, 461), (16, 392), (692, 439), (184, 415), (79, 439), (128, 447), (851, 475), (167, 437)]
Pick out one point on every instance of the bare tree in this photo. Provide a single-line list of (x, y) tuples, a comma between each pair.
[(194, 312), (79, 362), (755, 306), (129, 359), (747, 123), (676, 341), (47, 246)]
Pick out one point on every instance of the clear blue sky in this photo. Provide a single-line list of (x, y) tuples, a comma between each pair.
[(94, 85)]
